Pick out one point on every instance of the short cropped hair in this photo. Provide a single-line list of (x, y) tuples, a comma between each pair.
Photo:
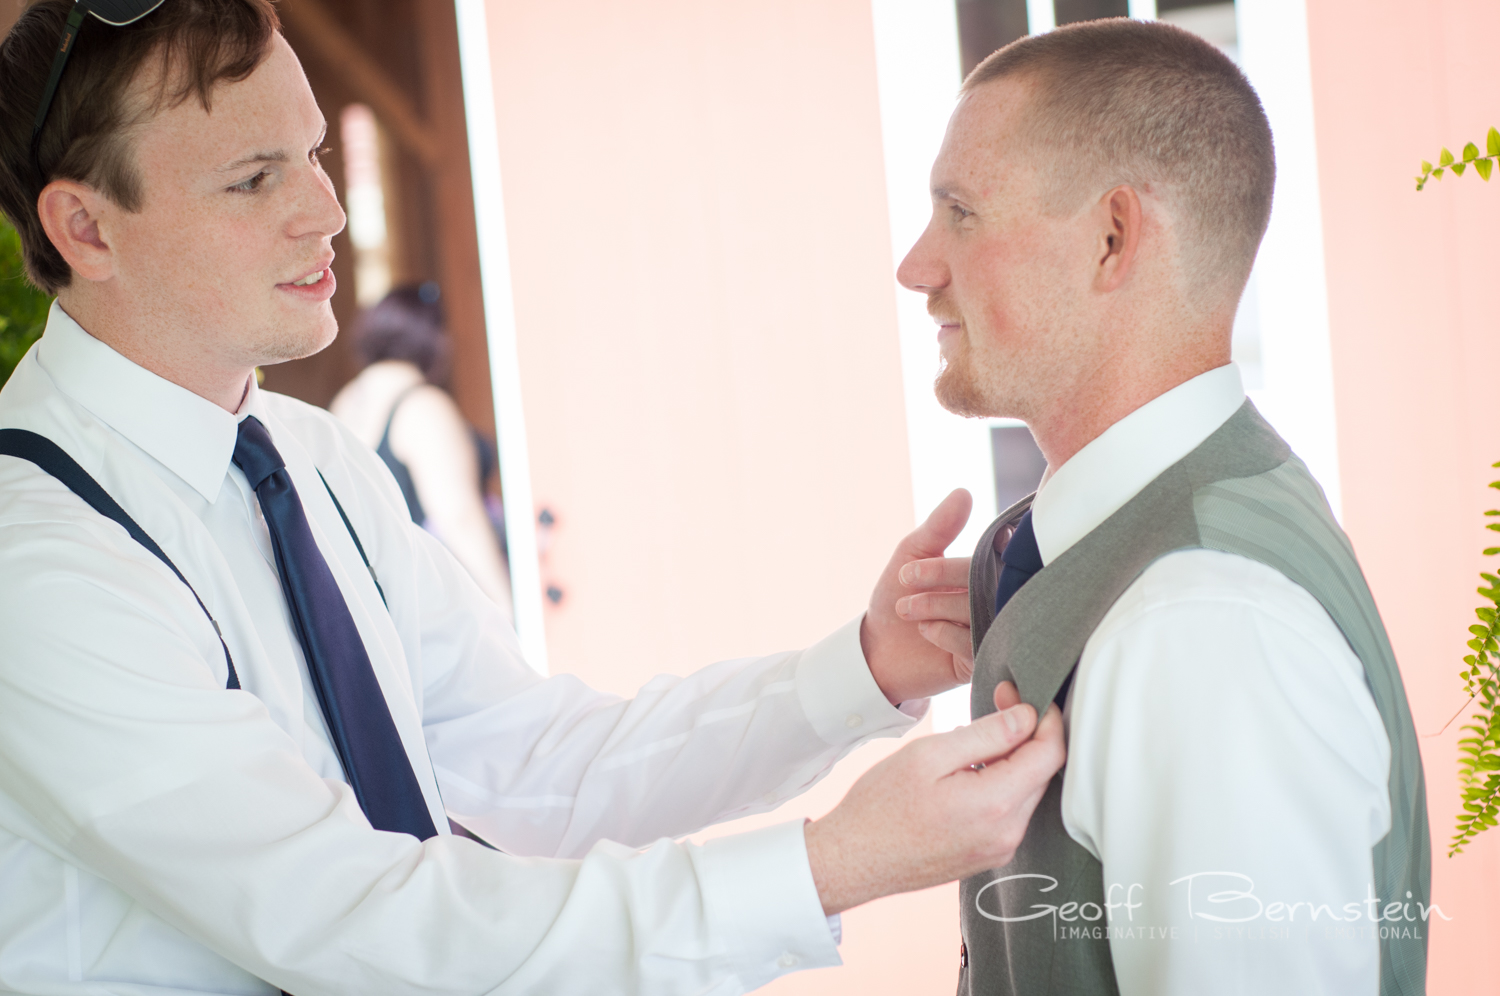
[(192, 44), (407, 325), (1144, 103)]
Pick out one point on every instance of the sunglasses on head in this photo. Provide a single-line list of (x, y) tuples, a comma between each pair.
[(116, 13)]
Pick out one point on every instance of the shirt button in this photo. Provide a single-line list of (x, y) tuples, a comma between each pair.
[(854, 721), (788, 961)]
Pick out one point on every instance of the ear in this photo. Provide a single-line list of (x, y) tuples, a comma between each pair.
[(1120, 237), (71, 213)]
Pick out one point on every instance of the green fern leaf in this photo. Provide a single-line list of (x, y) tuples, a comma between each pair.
[(1445, 157), (1492, 145), (1483, 167), (1471, 152)]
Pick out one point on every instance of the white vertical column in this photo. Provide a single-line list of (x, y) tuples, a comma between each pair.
[(1141, 10), (917, 60), (1290, 284), (500, 326), (1041, 16)]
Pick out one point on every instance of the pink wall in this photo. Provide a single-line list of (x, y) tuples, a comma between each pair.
[(1414, 315), (707, 341)]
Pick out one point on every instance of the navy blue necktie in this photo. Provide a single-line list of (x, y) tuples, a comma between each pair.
[(358, 718), (1021, 559)]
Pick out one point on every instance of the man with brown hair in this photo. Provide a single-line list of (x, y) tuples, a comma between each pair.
[(241, 694), (1242, 810)]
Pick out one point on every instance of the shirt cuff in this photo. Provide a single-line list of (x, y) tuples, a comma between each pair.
[(839, 694), (758, 894)]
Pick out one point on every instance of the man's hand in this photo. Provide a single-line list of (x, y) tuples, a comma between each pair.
[(916, 633), (925, 815)]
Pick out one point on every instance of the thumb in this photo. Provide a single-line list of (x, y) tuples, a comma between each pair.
[(985, 739), (942, 527)]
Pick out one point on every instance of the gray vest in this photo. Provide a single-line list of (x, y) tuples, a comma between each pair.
[(1243, 492)]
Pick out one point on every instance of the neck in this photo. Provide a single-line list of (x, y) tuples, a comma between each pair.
[(171, 354), (1113, 388)]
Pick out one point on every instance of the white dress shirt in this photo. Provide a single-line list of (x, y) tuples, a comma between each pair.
[(159, 834), (1220, 727)]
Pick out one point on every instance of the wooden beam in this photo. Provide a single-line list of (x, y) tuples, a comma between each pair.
[(452, 198), (326, 38)]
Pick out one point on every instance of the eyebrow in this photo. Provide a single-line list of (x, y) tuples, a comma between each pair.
[(256, 158)]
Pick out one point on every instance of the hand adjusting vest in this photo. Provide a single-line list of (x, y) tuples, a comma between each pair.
[(1242, 491)]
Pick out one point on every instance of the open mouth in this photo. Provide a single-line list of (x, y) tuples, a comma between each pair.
[(310, 279), (317, 286)]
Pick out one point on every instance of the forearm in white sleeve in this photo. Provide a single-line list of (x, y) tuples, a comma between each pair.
[(146, 772), (550, 767)]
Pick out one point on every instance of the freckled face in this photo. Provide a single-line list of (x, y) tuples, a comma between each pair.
[(231, 247), (1002, 277)]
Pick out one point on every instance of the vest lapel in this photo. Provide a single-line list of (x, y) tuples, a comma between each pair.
[(1038, 638)]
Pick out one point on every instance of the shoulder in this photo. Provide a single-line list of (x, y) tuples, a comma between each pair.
[(1198, 583), (424, 410), (62, 563), (1205, 640)]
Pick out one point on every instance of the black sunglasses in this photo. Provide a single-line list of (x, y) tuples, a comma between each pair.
[(116, 13)]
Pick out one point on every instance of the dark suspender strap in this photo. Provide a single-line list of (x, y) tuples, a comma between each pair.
[(50, 457), (355, 537)]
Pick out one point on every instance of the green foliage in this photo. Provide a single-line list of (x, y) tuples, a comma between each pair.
[(1483, 165), (23, 308), (1479, 753)]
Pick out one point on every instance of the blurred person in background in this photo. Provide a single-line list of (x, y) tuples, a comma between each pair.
[(399, 406)]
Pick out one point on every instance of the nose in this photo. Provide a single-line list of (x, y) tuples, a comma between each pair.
[(923, 269), (318, 211)]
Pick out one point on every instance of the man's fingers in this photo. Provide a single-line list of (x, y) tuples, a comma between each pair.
[(1051, 726), (936, 572), (957, 640), (983, 740), (942, 527), (1037, 759), (1006, 695), (950, 606)]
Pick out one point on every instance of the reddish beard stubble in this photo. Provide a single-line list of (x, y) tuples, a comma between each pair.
[(955, 385)]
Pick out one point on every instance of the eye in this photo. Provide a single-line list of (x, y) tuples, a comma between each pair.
[(251, 184), (315, 156), (959, 212)]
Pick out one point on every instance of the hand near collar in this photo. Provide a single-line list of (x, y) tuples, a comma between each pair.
[(916, 633)]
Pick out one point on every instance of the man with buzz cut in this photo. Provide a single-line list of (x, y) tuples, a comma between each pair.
[(1242, 809), (242, 695)]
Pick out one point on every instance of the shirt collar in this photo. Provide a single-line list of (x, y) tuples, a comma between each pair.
[(189, 435), (1122, 460)]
